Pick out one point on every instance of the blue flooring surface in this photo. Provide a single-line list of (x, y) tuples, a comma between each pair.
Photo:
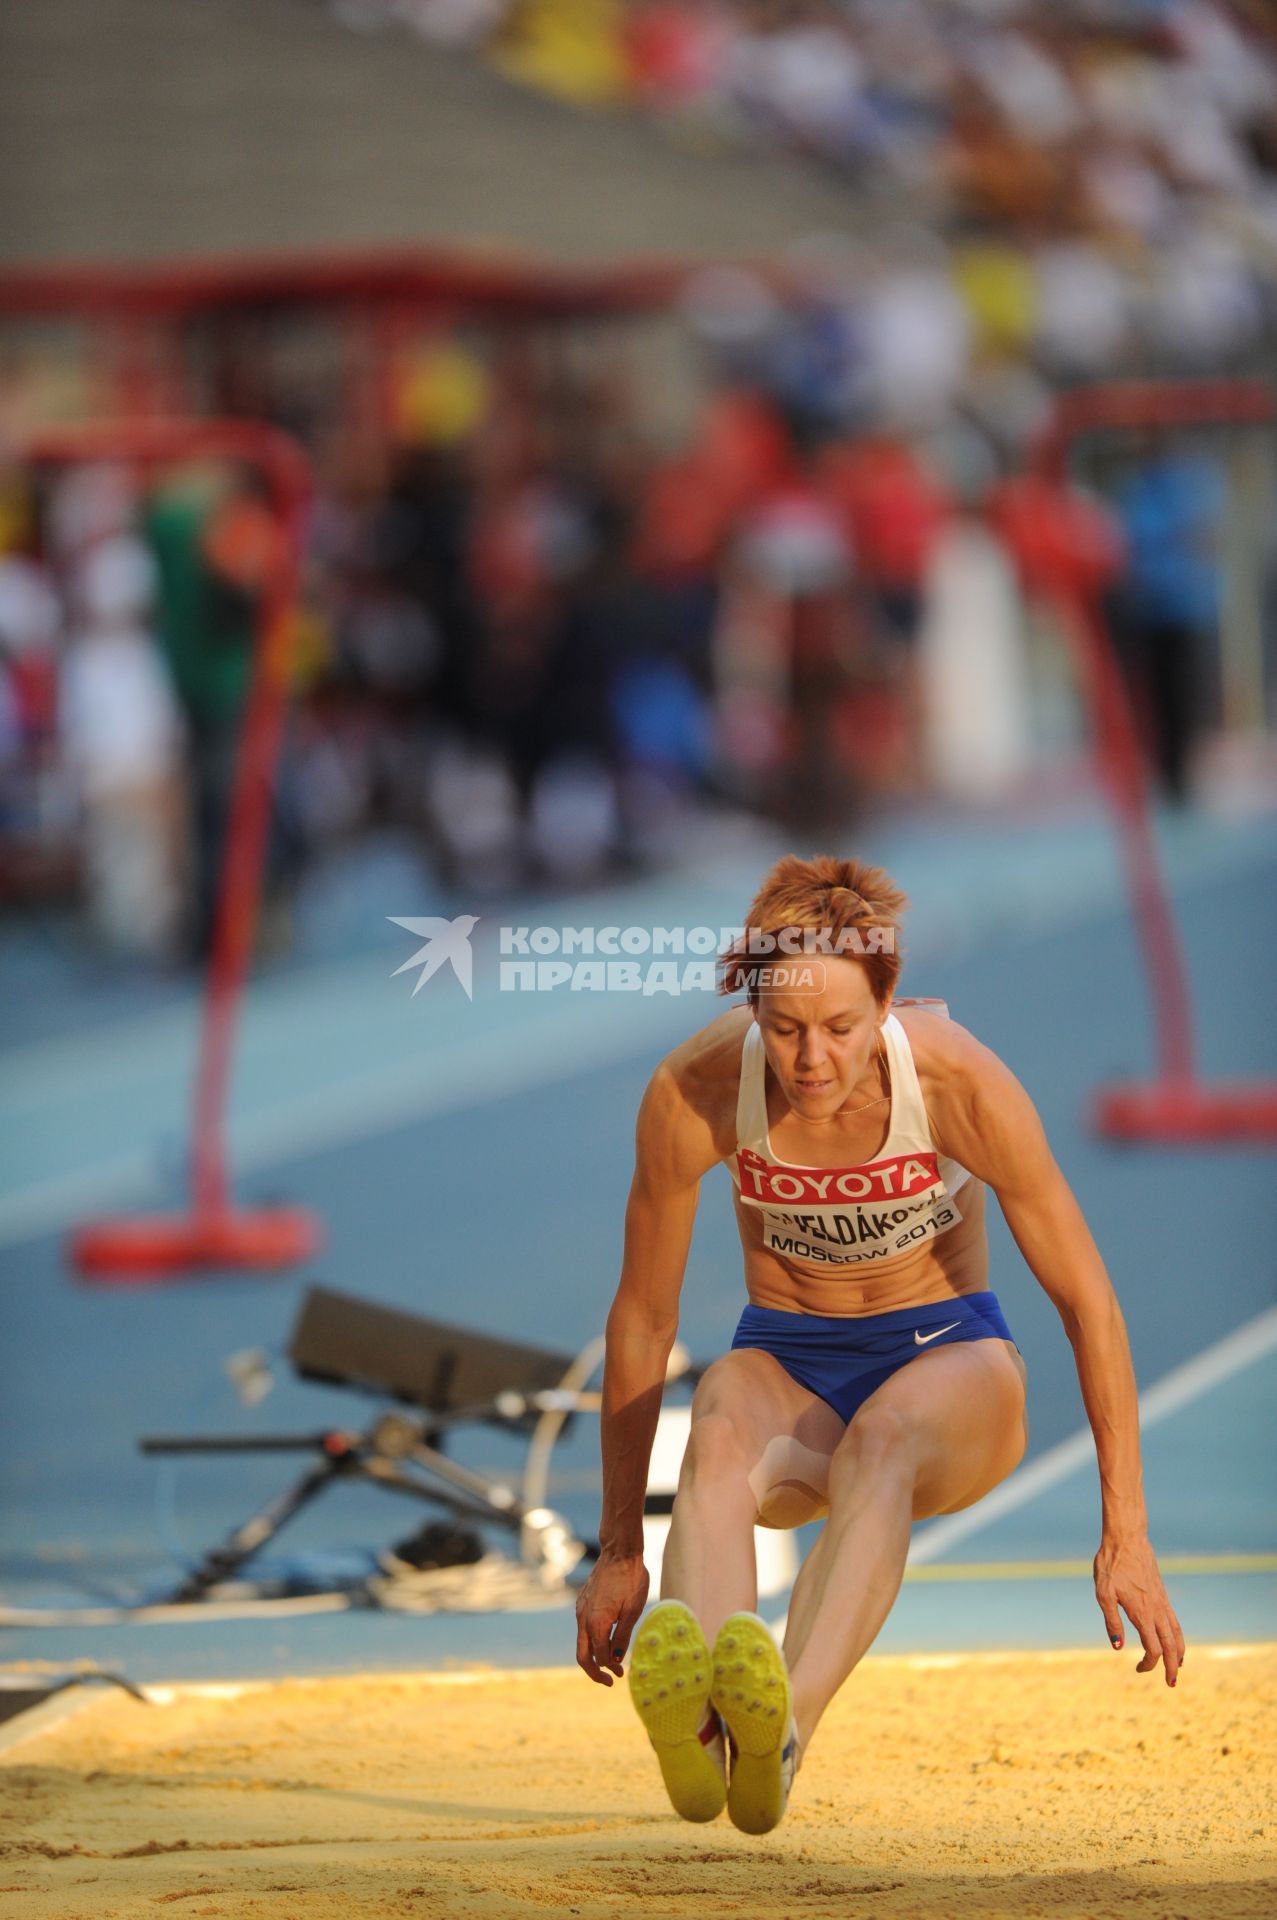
[(471, 1162)]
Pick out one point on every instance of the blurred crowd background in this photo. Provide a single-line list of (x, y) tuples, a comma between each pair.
[(769, 546)]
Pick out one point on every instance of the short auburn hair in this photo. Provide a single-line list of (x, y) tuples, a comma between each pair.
[(822, 896)]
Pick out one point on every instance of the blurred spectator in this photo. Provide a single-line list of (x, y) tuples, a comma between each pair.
[(36, 827), (214, 540), (893, 510), (569, 48), (1084, 324), (796, 569), (675, 50), (1165, 608), (974, 693), (122, 741), (916, 334), (1000, 288)]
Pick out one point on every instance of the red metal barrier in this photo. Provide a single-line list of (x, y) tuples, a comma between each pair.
[(417, 277), (1176, 1106), (213, 1232), (140, 319)]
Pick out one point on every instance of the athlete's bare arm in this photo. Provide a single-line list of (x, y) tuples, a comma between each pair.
[(679, 1137), (983, 1118)]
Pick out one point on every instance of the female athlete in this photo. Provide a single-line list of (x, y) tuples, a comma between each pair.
[(872, 1378)]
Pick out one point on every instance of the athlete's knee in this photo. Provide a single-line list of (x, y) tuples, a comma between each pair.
[(880, 1443), (1004, 1458), (718, 1450), (957, 1478), (723, 1398)]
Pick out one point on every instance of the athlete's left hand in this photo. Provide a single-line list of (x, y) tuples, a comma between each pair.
[(1127, 1576)]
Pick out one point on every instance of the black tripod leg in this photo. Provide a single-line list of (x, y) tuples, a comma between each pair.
[(221, 1562)]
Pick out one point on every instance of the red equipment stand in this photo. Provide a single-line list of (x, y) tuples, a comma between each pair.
[(1176, 1106), (213, 1232)]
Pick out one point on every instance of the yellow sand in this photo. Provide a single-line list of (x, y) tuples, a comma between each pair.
[(999, 1785)]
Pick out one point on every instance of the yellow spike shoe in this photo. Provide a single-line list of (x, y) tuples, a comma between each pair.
[(750, 1690), (669, 1685)]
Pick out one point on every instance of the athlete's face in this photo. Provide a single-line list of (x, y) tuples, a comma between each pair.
[(821, 1046)]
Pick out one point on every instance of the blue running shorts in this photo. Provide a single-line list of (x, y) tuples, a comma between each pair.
[(843, 1358)]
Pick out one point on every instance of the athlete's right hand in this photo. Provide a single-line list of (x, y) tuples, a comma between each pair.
[(607, 1608)]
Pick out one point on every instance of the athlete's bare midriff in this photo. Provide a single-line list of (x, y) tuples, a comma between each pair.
[(956, 1262)]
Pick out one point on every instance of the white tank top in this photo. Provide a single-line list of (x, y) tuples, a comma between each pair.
[(847, 1216)]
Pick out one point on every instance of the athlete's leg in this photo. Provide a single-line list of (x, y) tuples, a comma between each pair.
[(759, 1449), (934, 1437)]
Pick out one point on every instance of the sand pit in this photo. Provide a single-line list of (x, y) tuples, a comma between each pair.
[(1007, 1786)]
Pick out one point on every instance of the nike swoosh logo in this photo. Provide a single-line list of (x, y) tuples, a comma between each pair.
[(921, 1339)]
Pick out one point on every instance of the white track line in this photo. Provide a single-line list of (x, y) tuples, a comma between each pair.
[(1182, 1385)]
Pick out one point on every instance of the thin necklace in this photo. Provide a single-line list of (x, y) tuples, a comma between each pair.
[(878, 1100)]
